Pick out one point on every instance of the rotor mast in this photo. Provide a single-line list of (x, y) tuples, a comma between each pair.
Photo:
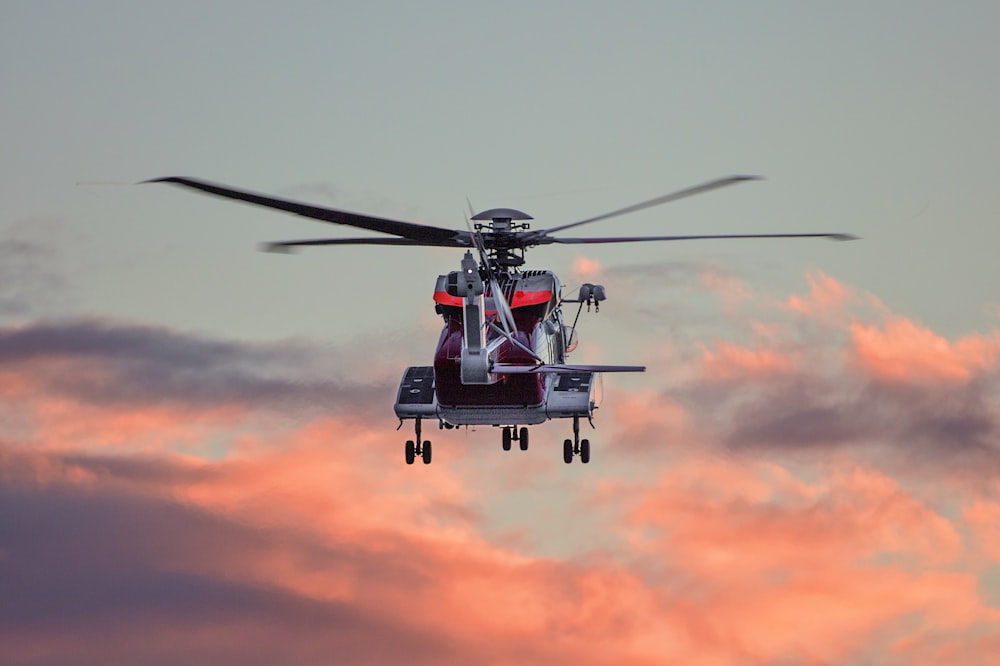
[(503, 226)]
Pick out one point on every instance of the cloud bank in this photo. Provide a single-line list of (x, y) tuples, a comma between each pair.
[(815, 484)]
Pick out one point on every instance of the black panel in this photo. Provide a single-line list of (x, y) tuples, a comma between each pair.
[(574, 381), (417, 387)]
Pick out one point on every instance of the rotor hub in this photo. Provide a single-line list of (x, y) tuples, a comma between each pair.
[(507, 214)]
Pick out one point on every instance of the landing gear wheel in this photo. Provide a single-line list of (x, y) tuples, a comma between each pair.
[(585, 451), (418, 447), (523, 439), (568, 451), (506, 439)]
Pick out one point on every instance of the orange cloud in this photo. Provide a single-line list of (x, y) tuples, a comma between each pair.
[(730, 288), (730, 361), (585, 268), (902, 351), (783, 569), (647, 420), (721, 560), (983, 519), (240, 534), (826, 295), (38, 415), (90, 385)]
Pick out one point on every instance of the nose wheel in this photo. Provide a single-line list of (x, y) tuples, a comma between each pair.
[(512, 434), (418, 448), (576, 446)]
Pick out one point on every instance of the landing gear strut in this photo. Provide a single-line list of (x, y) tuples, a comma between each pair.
[(576, 446), (511, 434), (418, 448)]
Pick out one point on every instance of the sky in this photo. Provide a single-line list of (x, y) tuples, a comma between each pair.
[(198, 455)]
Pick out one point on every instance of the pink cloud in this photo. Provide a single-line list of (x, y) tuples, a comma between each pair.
[(826, 295), (731, 289), (902, 351), (47, 419), (309, 540), (647, 420), (779, 568), (743, 561), (983, 519), (585, 268), (726, 361)]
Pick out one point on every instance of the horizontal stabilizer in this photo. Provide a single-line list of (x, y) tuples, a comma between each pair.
[(512, 369)]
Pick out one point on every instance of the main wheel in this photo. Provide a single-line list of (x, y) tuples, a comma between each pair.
[(426, 453), (506, 439), (523, 439), (411, 452), (585, 451), (568, 451)]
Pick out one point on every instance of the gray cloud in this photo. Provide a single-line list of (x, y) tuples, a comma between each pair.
[(27, 279), (923, 427), (825, 403), (114, 364), (92, 574), (114, 570)]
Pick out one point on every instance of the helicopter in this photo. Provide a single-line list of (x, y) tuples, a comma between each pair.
[(501, 358)]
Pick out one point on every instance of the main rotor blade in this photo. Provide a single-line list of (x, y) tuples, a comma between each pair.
[(286, 246), (639, 239), (674, 196), (417, 232)]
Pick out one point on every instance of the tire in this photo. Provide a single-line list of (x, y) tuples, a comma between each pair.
[(568, 451), (506, 439), (411, 452), (585, 451), (523, 439), (427, 453)]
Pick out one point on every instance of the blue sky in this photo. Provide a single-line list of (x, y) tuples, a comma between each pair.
[(876, 120)]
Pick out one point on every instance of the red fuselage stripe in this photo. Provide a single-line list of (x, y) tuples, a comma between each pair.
[(520, 300)]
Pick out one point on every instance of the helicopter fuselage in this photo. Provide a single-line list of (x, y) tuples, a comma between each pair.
[(507, 399), (533, 299)]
